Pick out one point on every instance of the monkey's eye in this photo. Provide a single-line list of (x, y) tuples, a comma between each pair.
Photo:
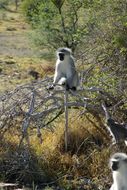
[(61, 56)]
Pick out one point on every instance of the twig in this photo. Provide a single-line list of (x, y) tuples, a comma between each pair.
[(26, 121), (66, 118)]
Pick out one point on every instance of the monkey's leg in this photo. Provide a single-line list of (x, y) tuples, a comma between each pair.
[(62, 81), (56, 80), (73, 88), (72, 82), (125, 142)]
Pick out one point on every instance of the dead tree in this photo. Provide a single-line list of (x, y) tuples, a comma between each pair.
[(35, 106)]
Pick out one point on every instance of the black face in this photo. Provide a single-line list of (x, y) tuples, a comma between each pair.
[(115, 165), (61, 56)]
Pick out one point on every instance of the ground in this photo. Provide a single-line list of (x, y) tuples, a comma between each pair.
[(18, 56)]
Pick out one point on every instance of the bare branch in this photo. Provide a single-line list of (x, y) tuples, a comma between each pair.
[(34, 105)]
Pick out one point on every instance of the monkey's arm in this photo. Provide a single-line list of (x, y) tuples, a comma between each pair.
[(57, 75), (112, 187)]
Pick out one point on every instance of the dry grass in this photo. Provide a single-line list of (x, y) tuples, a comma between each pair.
[(15, 71), (17, 54), (87, 156)]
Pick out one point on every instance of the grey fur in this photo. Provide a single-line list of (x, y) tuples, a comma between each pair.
[(118, 131), (120, 174), (65, 70)]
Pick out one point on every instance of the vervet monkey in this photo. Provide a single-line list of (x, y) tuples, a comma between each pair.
[(118, 131), (65, 71), (118, 165)]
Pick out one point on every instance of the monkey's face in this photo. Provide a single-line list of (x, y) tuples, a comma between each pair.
[(61, 56), (119, 165), (114, 165), (63, 53)]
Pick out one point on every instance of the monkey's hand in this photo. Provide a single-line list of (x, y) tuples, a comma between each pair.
[(51, 87)]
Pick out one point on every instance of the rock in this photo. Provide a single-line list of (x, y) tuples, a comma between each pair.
[(9, 62), (11, 29), (34, 74), (1, 70)]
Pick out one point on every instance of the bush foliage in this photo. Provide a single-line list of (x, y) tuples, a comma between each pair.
[(95, 30)]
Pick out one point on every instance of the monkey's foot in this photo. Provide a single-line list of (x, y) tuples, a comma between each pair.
[(50, 87), (73, 88)]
